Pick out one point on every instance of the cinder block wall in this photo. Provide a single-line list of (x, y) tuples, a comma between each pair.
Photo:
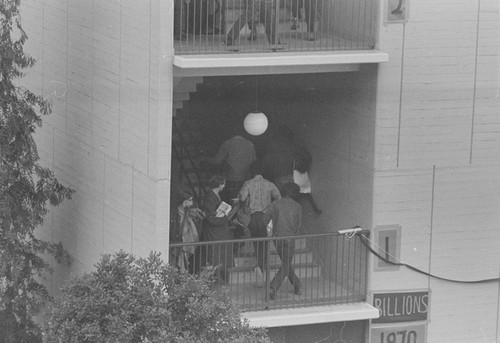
[(437, 161), (105, 65)]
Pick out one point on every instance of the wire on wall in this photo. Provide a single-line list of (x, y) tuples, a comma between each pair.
[(366, 242)]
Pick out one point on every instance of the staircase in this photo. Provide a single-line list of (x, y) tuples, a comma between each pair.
[(189, 146), (183, 87), (187, 142), (187, 150)]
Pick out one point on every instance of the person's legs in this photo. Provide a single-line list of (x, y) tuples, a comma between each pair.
[(296, 8), (281, 249), (310, 6), (285, 249), (253, 18), (296, 13), (220, 17), (234, 33), (223, 260), (292, 277), (213, 16), (194, 261), (258, 230), (267, 15)]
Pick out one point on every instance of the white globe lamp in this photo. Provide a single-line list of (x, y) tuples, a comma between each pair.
[(255, 123)]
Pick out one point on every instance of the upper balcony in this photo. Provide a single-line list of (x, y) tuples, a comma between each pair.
[(274, 33)]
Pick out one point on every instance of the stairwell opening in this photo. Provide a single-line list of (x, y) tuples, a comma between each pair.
[(333, 114)]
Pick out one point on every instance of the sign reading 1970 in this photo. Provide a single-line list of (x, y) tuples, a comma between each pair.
[(406, 333), (401, 307)]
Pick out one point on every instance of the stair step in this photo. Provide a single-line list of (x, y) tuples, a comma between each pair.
[(194, 171), (194, 156), (251, 260), (241, 275), (195, 189), (300, 245), (187, 138), (182, 91), (248, 249), (194, 178), (249, 252), (180, 96), (188, 120), (188, 84), (178, 104)]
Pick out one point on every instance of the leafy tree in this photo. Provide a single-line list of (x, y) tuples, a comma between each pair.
[(145, 300), (26, 189)]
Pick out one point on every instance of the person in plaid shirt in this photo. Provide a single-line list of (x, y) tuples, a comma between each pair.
[(258, 194)]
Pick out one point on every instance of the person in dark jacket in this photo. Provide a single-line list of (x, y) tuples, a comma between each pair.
[(286, 217), (216, 227), (236, 155)]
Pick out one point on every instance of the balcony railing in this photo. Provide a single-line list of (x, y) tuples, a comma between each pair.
[(252, 26), (332, 269)]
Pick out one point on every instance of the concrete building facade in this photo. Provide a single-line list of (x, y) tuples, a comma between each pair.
[(408, 148)]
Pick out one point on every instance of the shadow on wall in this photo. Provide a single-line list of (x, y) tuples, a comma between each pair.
[(319, 109)]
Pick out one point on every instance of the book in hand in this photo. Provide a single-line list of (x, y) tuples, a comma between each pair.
[(223, 210)]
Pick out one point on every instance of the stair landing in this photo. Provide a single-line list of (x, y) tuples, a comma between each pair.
[(315, 291)]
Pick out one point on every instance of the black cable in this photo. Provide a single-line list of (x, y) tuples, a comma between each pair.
[(365, 240)]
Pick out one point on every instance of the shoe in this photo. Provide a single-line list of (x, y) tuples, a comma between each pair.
[(312, 36), (229, 41), (272, 295), (297, 291), (295, 24)]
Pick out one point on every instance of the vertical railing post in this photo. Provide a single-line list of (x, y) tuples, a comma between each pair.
[(276, 21), (267, 251)]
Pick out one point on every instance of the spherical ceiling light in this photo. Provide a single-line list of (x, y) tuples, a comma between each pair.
[(255, 123)]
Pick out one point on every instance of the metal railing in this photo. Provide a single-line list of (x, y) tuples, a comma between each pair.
[(245, 26), (329, 268)]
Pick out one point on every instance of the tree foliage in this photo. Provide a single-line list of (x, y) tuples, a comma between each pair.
[(27, 189), (145, 300)]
